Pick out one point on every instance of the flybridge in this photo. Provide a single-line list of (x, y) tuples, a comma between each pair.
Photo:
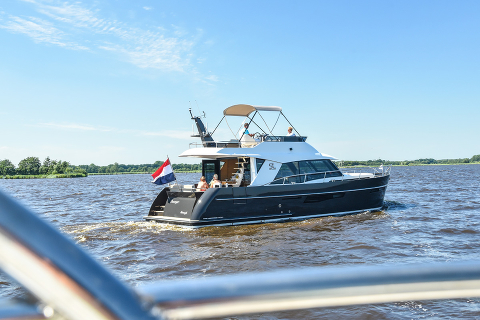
[(244, 110)]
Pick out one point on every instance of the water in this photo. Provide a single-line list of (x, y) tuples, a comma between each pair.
[(432, 215)]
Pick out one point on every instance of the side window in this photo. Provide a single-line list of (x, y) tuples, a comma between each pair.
[(287, 169), (313, 166), (306, 167), (321, 165), (259, 163), (314, 169)]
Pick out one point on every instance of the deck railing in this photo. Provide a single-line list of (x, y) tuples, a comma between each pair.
[(355, 173), (376, 171), (237, 144)]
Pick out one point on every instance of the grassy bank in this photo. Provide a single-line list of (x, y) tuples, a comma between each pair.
[(45, 176)]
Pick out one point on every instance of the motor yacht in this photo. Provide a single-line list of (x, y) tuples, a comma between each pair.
[(266, 178)]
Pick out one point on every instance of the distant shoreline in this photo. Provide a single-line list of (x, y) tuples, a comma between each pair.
[(415, 165), (81, 175), (44, 176), (75, 175)]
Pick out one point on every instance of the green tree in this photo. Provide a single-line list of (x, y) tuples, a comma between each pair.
[(7, 168), (92, 168), (30, 165), (46, 167), (61, 166), (475, 158)]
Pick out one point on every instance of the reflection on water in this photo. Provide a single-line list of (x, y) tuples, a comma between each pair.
[(431, 214)]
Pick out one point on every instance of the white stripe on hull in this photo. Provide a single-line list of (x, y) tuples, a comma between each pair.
[(263, 220)]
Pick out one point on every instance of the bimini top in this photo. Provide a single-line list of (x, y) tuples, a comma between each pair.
[(245, 109)]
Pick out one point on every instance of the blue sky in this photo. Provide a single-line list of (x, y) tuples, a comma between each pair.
[(111, 81)]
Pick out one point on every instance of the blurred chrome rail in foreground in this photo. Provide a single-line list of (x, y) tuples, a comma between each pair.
[(69, 284)]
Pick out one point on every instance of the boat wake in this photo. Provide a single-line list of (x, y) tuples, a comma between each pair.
[(395, 205), (83, 232)]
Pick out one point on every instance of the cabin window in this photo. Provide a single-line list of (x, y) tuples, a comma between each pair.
[(259, 163), (314, 169), (320, 165), (287, 169)]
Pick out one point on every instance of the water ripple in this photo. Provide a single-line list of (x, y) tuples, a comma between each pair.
[(430, 215)]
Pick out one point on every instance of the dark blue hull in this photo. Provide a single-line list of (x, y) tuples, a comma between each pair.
[(273, 203)]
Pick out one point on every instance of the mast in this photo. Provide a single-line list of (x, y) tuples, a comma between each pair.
[(202, 132)]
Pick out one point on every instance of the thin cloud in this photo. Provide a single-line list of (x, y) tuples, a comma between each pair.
[(73, 126), (212, 78), (40, 31), (147, 8), (66, 24)]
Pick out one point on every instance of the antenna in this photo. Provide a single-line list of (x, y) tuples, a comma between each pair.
[(199, 108)]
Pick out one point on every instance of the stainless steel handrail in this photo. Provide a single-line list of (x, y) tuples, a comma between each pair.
[(374, 171), (217, 144), (261, 138), (305, 176), (385, 171), (229, 295)]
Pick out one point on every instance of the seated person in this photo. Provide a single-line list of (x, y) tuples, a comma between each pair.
[(290, 133), (202, 185), (246, 125), (215, 182)]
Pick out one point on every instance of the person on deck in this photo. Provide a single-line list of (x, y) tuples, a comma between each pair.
[(202, 185), (290, 133), (215, 182), (246, 130)]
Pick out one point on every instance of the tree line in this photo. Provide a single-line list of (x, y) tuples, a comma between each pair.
[(33, 166), (135, 168), (378, 162)]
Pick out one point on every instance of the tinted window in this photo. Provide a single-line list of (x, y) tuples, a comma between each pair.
[(322, 165), (309, 167), (246, 171), (259, 163), (306, 167), (288, 169)]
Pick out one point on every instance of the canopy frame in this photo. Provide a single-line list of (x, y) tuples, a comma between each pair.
[(244, 110)]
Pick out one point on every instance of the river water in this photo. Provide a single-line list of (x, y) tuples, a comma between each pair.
[(432, 214)]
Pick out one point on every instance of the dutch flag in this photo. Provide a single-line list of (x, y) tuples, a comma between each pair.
[(164, 174)]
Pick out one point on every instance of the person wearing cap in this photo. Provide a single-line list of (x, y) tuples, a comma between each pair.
[(290, 133)]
